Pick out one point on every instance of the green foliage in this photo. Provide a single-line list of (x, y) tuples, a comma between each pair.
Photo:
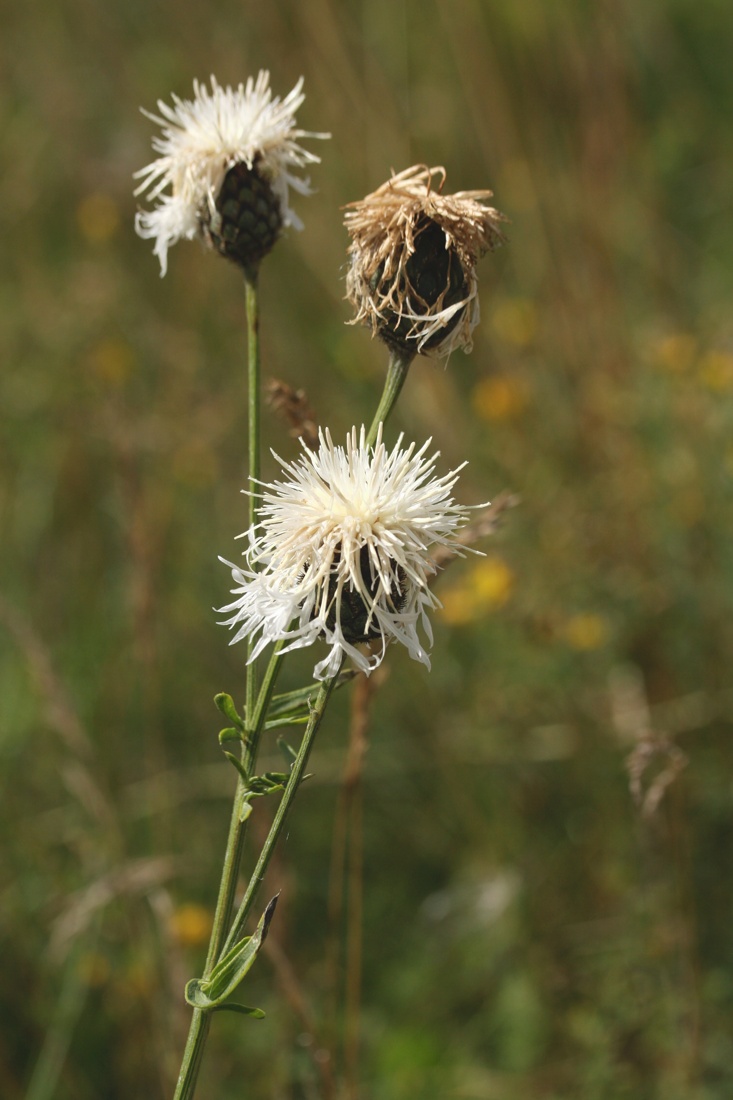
[(228, 974), (529, 932)]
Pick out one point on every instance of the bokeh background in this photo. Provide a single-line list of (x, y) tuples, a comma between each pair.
[(523, 888)]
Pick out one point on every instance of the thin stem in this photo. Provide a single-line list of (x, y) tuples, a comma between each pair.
[(253, 416), (399, 364), (201, 1020), (296, 775), (255, 711), (192, 1055)]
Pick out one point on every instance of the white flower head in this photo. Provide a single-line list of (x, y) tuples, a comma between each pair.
[(203, 139), (413, 252), (342, 551)]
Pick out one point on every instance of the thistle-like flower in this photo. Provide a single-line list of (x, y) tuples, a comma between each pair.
[(342, 552), (413, 261), (227, 156)]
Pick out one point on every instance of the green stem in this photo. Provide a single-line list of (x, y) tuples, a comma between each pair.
[(200, 1020), (399, 364), (253, 411), (254, 715), (256, 711), (294, 780), (192, 1055)]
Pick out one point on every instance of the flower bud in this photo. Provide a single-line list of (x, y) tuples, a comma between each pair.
[(247, 218)]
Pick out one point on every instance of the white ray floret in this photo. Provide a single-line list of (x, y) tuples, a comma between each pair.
[(346, 522), (203, 138)]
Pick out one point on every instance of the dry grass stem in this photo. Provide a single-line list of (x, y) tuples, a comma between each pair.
[(293, 407), (487, 523), (632, 718)]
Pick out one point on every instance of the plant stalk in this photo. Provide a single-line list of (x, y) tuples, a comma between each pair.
[(254, 715), (253, 418), (296, 774), (201, 1019), (399, 364)]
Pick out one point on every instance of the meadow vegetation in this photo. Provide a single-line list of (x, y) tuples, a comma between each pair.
[(522, 888)]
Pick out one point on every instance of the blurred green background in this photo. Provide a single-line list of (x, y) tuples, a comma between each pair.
[(528, 894)]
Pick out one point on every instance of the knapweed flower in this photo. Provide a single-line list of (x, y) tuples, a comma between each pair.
[(342, 552), (228, 157), (413, 253)]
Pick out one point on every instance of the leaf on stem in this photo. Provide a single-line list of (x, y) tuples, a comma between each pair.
[(244, 1010), (294, 704), (239, 766), (268, 783), (291, 720), (210, 993), (287, 750), (225, 704), (230, 734)]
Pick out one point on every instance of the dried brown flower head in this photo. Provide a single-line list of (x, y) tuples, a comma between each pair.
[(413, 261)]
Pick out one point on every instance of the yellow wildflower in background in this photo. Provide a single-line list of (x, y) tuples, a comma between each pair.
[(190, 924), (500, 397), (487, 586)]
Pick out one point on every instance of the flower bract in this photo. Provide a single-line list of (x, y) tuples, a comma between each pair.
[(226, 165), (414, 251), (342, 552)]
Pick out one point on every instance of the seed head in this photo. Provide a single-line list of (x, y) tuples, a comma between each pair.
[(413, 261)]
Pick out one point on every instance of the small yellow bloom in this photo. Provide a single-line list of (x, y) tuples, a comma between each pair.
[(501, 397), (191, 924), (98, 217), (485, 587), (459, 607), (492, 581), (586, 631)]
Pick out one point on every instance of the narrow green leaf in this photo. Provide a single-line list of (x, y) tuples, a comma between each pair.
[(292, 701), (228, 973), (225, 703), (238, 765), (277, 723), (230, 734), (287, 750), (233, 1006)]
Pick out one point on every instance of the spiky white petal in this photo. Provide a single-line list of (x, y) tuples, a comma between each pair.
[(203, 138), (306, 552)]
